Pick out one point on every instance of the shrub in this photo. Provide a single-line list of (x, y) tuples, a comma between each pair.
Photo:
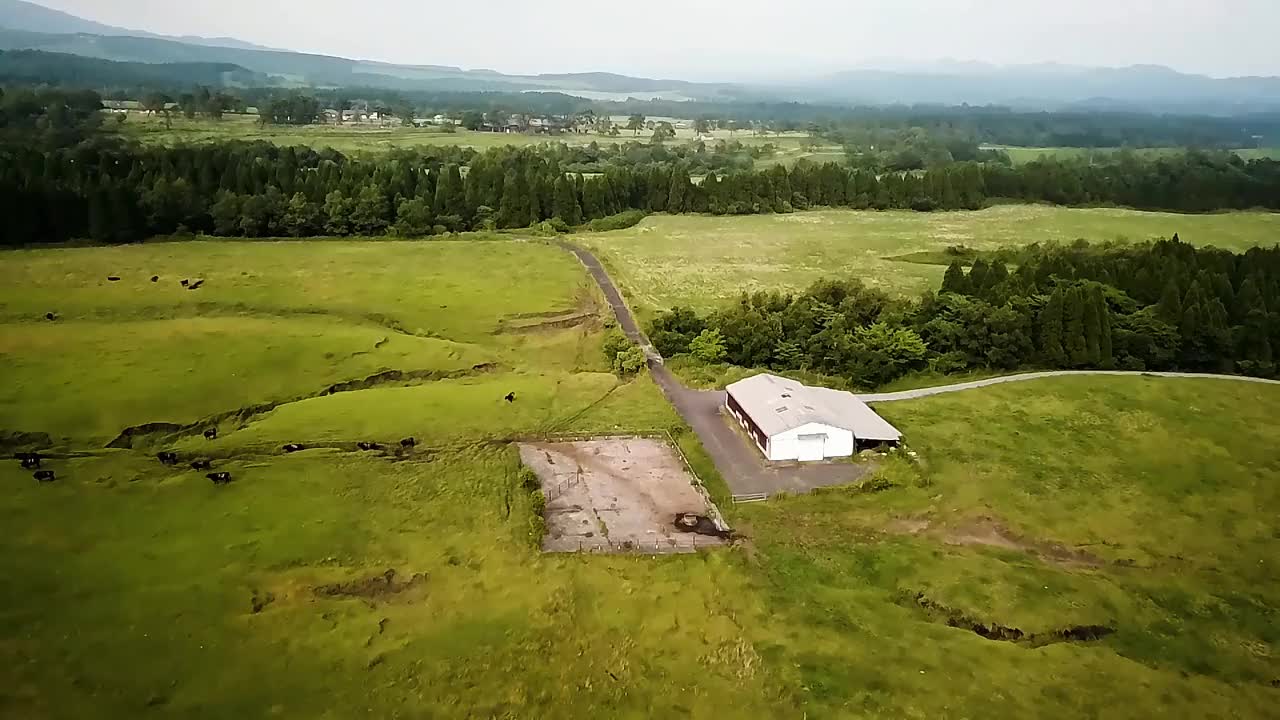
[(708, 346), (621, 221), (628, 362)]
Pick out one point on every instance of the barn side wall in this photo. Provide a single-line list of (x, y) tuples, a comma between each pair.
[(762, 440)]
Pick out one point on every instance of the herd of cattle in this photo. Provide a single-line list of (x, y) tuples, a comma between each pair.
[(186, 283), (32, 460)]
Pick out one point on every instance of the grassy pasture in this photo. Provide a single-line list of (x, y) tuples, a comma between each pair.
[(137, 589), (703, 261), (274, 321)]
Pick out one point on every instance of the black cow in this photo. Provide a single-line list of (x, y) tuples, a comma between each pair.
[(293, 447), (184, 282), (408, 442), (368, 446), (113, 278), (155, 278), (219, 478), (511, 397), (211, 433), (50, 316), (201, 465), (167, 458), (43, 475), (195, 285), (30, 461)]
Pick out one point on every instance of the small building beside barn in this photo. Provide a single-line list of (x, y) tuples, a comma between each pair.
[(791, 421)]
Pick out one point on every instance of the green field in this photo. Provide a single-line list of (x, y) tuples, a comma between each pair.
[(1024, 155), (133, 589), (352, 138), (702, 261)]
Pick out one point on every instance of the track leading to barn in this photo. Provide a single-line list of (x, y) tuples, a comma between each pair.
[(743, 468)]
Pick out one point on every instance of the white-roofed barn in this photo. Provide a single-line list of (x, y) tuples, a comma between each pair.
[(791, 421)]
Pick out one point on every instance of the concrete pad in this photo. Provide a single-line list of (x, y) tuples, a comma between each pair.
[(617, 495)]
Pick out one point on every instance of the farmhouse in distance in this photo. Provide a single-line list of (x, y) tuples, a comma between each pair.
[(791, 421)]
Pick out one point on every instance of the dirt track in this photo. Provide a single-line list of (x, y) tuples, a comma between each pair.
[(957, 387)]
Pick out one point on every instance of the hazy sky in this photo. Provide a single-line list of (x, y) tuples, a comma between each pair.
[(712, 39)]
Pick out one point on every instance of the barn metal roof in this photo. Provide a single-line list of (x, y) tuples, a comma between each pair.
[(777, 405)]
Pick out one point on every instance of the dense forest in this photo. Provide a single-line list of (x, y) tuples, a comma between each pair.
[(115, 192), (60, 179), (1159, 306)]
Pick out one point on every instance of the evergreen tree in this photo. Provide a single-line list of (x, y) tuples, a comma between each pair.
[(1092, 328), (1051, 330), (450, 197), (1169, 309), (1106, 350), (978, 277), (1073, 340), (513, 211), (565, 205), (954, 280)]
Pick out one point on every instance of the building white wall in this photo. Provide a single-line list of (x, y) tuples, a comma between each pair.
[(786, 445)]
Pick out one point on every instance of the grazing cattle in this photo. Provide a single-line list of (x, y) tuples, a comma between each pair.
[(368, 446), (30, 461), (184, 282), (43, 475), (155, 278), (511, 397), (50, 316), (219, 478), (408, 442), (293, 447), (167, 458), (211, 433), (201, 465), (113, 278), (195, 285)]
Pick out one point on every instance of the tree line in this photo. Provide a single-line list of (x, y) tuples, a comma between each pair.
[(113, 191), (1157, 306)]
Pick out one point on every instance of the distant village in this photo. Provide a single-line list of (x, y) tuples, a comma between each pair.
[(367, 114)]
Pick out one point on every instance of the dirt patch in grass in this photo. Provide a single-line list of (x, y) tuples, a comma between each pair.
[(558, 322), (987, 531), (374, 587)]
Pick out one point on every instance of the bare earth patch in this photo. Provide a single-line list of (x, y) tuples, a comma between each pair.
[(621, 495), (990, 532)]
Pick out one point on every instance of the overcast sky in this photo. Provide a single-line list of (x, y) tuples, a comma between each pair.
[(712, 39)]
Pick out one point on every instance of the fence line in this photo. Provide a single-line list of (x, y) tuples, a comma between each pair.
[(749, 498)]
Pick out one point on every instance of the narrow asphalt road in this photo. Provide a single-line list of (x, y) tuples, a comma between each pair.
[(741, 465), (957, 387)]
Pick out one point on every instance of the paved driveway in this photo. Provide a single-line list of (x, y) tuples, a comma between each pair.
[(739, 462)]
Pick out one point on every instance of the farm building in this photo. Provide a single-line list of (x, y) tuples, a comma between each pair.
[(790, 421)]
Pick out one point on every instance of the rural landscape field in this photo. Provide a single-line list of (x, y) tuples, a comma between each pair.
[(197, 588), (355, 362), (705, 261)]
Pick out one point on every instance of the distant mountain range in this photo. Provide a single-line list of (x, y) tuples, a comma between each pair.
[(1046, 86), (20, 15)]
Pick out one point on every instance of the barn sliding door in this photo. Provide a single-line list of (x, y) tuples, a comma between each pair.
[(811, 447)]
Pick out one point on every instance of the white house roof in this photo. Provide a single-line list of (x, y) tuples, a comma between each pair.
[(777, 405)]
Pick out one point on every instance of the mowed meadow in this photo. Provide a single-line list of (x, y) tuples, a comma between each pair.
[(1133, 504), (705, 261)]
